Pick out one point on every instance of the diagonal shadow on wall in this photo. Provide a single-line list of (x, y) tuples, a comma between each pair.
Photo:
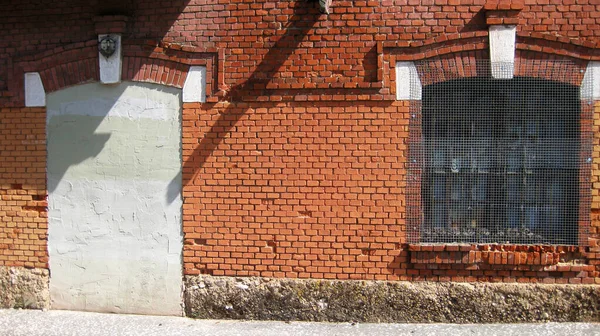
[(74, 119), (300, 23)]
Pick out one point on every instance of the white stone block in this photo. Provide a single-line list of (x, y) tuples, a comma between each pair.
[(590, 86), (408, 83), (194, 88), (110, 67), (502, 51), (35, 95)]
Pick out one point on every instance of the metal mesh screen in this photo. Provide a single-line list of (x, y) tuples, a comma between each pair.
[(500, 160)]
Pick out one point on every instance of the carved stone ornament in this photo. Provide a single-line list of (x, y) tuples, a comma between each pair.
[(324, 6), (107, 46)]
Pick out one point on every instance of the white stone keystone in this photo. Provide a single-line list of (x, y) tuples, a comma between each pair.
[(408, 83), (590, 86), (502, 51), (35, 95), (194, 88), (110, 67)]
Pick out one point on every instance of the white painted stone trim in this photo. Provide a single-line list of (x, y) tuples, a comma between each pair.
[(194, 88), (590, 86), (110, 67), (35, 95), (408, 83), (502, 50)]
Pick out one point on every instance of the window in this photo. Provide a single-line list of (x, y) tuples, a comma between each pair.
[(500, 161)]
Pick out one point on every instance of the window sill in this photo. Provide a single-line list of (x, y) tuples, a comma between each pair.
[(495, 254)]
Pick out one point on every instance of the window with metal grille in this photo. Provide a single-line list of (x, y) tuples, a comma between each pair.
[(500, 161)]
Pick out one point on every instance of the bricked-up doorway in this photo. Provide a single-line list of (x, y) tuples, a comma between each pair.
[(114, 241)]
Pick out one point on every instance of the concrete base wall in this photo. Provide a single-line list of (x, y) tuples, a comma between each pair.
[(24, 288), (378, 301)]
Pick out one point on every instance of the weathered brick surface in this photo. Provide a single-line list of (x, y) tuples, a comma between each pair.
[(23, 213), (293, 189), (296, 165)]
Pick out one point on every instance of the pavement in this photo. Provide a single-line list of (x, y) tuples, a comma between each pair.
[(15, 322)]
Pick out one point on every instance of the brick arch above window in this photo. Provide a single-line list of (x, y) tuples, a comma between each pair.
[(456, 55), (475, 63), (143, 61), (445, 44)]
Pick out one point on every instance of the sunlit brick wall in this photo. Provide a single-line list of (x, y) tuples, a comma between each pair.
[(23, 214)]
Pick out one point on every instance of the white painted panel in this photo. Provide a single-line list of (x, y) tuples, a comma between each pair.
[(408, 83), (110, 67), (114, 180), (502, 50), (35, 95), (194, 88)]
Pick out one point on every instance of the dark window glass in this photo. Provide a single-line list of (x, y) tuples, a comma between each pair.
[(501, 161)]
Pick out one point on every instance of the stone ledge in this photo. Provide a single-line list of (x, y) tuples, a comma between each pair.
[(377, 301), (501, 254), (24, 288)]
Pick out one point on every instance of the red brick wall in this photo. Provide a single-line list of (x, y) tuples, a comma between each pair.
[(23, 215), (310, 49), (294, 189), (296, 166)]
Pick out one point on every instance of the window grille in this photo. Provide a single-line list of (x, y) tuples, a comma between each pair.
[(500, 161)]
